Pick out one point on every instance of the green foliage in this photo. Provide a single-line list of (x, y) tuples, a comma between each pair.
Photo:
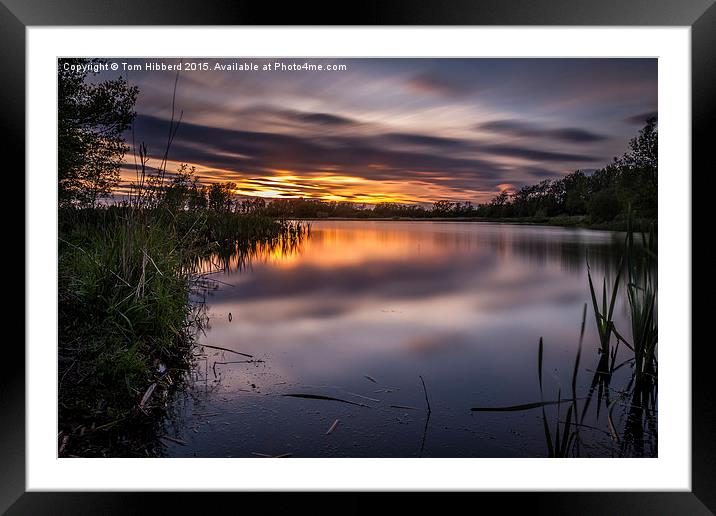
[(92, 118), (603, 315), (638, 186), (125, 279), (643, 151), (640, 270), (123, 292), (629, 183), (604, 206)]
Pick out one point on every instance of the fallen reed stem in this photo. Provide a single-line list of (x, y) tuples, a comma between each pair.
[(425, 390)]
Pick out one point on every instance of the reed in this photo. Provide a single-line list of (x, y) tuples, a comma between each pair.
[(642, 290), (126, 279), (564, 440), (604, 315), (639, 266), (638, 270)]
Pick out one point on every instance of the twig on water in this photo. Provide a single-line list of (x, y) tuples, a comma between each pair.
[(147, 395), (242, 362), (361, 396), (407, 407), (427, 419), (226, 349), (321, 397), (425, 434), (525, 406), (426, 395), (333, 426)]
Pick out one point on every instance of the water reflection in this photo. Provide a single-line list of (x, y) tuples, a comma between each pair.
[(462, 304)]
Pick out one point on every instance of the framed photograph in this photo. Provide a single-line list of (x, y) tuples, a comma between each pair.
[(421, 249)]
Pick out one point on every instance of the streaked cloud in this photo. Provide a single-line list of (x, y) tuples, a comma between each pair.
[(526, 129), (640, 118)]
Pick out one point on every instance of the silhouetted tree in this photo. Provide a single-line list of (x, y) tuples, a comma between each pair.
[(220, 196), (255, 205), (643, 153), (443, 208), (182, 191), (639, 172), (575, 193), (92, 118)]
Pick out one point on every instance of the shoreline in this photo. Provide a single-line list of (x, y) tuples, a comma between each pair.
[(566, 222)]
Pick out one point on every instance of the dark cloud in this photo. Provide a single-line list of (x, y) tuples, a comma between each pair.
[(322, 119), (517, 151), (573, 134), (522, 83), (256, 152), (538, 173), (421, 139), (526, 129), (641, 118), (437, 82)]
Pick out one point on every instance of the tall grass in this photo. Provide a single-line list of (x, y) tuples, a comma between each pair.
[(642, 288), (640, 395), (126, 276), (566, 433), (123, 313), (604, 315), (638, 270), (641, 285)]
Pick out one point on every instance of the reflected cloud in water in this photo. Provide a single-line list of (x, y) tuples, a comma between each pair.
[(463, 304)]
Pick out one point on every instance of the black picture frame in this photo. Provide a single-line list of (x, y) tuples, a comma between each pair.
[(17, 15)]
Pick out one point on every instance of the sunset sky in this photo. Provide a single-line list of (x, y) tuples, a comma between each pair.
[(405, 130)]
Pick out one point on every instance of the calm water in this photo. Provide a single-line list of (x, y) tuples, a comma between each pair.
[(360, 310)]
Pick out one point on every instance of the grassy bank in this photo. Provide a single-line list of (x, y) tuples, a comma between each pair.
[(126, 324)]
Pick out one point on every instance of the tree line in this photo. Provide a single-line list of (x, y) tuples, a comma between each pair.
[(629, 183)]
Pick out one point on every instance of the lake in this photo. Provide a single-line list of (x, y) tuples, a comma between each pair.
[(365, 311)]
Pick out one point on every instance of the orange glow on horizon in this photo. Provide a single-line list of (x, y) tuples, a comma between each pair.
[(323, 185)]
